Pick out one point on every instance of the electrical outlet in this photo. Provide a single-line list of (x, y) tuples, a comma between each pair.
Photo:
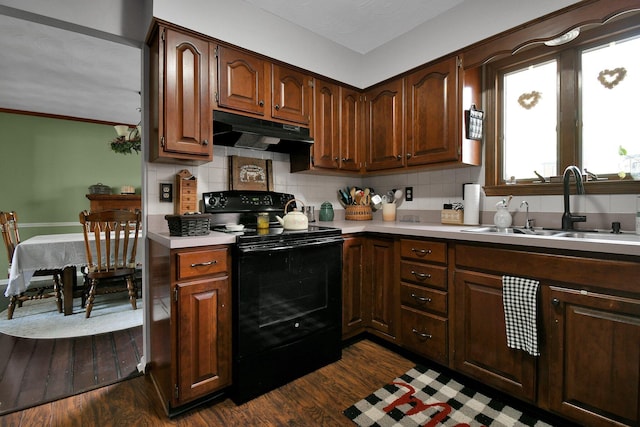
[(166, 192), (408, 194)]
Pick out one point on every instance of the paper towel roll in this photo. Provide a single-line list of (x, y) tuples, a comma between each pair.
[(472, 204)]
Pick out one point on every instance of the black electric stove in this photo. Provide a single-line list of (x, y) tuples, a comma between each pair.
[(286, 293)]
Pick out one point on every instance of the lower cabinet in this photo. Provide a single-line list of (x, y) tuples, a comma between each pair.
[(594, 367), (370, 299), (481, 339), (588, 331), (190, 324)]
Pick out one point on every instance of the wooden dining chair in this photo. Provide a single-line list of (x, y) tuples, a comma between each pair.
[(11, 238), (111, 254)]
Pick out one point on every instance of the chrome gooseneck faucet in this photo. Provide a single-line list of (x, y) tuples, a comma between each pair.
[(567, 217)]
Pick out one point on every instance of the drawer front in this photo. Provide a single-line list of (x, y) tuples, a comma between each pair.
[(422, 298), (425, 334), (201, 263), (424, 250), (424, 274)]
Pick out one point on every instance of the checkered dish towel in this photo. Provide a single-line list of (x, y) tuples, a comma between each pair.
[(519, 297)]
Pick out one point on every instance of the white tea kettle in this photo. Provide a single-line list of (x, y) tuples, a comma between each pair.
[(294, 220)]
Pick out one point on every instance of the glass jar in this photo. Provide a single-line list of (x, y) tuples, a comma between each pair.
[(262, 221), (326, 212)]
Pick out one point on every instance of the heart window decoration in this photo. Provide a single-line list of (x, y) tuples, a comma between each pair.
[(529, 100), (610, 78)]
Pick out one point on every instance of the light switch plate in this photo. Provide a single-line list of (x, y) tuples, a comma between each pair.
[(166, 192)]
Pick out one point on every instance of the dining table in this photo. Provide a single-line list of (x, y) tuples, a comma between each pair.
[(51, 251)]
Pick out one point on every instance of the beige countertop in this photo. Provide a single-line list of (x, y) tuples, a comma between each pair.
[(629, 246)]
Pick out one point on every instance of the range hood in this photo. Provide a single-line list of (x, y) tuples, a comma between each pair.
[(257, 134)]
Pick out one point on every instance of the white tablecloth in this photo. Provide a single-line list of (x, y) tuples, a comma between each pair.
[(47, 252)]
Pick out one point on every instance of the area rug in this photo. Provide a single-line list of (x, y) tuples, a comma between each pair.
[(40, 319), (425, 397)]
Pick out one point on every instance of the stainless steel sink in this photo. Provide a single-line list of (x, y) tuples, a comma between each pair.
[(518, 231), (573, 234)]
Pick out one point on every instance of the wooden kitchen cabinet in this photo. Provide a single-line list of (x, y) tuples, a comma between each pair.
[(337, 127), (594, 367), (190, 327), (326, 126), (383, 305), (432, 118), (182, 114), (384, 129), (354, 271), (424, 298), (248, 84), (588, 330), (481, 339)]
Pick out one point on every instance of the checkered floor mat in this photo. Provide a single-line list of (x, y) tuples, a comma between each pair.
[(424, 397)]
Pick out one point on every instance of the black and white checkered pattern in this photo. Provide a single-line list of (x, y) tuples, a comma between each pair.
[(519, 297), (467, 406)]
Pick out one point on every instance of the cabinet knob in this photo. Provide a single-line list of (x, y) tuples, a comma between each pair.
[(555, 302), (399, 157), (277, 107), (261, 103), (344, 159), (408, 155), (335, 159), (205, 142)]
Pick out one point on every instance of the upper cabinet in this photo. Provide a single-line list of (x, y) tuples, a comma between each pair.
[(241, 81), (432, 119), (180, 98), (247, 84), (337, 127), (418, 120), (384, 126)]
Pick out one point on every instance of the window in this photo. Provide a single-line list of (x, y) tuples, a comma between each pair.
[(565, 105)]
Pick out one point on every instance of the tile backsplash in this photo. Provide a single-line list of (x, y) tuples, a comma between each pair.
[(431, 190)]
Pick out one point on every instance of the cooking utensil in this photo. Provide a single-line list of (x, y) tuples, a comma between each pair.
[(397, 195)]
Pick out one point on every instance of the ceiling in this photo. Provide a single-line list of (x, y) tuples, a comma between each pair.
[(47, 69), (360, 25)]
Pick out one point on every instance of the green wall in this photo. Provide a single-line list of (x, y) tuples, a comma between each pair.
[(47, 166)]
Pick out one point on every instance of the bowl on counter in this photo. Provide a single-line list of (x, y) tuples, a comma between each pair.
[(234, 227)]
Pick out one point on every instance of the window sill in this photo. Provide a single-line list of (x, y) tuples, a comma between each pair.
[(626, 186)]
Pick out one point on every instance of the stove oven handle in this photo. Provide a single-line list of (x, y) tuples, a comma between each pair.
[(288, 247)]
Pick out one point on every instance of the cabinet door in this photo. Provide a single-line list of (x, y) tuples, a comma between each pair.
[(353, 283), (291, 93), (241, 81), (203, 337), (384, 127), (384, 304), (326, 125), (351, 115), (594, 369), (481, 339), (187, 114), (432, 114)]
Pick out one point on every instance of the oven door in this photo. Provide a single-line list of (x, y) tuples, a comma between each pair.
[(285, 292)]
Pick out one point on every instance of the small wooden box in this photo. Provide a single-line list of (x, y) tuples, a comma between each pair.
[(186, 199), (451, 216)]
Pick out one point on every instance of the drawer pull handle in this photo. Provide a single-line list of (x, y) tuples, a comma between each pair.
[(421, 334), (421, 276), (204, 264), (421, 299), (421, 252)]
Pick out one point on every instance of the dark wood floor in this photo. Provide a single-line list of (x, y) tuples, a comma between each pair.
[(317, 399), (33, 371)]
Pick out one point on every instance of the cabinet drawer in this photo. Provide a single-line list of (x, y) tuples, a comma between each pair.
[(422, 298), (424, 250), (201, 263), (424, 274), (425, 334)]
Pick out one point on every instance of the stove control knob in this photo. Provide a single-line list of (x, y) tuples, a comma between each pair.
[(296, 325)]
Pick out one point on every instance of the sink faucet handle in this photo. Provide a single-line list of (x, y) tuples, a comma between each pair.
[(528, 223)]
